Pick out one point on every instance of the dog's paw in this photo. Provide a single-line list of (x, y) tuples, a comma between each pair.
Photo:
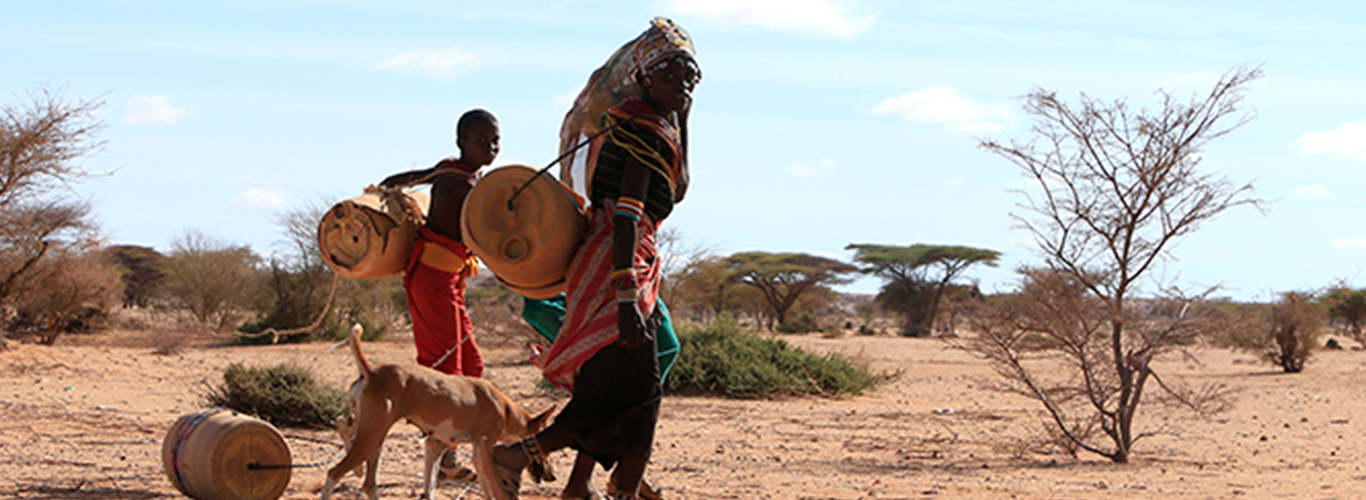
[(541, 471)]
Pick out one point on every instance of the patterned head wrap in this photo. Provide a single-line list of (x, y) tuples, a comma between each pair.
[(661, 42)]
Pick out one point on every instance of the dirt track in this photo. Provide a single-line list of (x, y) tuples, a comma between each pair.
[(83, 421)]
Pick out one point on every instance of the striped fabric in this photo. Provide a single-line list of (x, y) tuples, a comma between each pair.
[(590, 321), (649, 139)]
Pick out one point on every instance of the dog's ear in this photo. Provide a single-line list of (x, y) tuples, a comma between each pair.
[(540, 421)]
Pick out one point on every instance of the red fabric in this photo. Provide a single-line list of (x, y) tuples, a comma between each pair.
[(590, 321), (436, 301)]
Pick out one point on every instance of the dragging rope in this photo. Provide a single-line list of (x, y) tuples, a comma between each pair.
[(276, 334)]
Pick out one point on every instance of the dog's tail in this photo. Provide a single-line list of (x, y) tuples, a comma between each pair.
[(366, 369)]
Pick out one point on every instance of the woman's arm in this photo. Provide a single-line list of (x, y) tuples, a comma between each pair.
[(630, 323)]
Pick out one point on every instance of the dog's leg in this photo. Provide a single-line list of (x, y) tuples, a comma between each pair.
[(371, 486), (486, 469), (432, 462), (371, 429)]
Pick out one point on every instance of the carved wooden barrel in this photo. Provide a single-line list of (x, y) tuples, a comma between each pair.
[(527, 246), (369, 236), (207, 456)]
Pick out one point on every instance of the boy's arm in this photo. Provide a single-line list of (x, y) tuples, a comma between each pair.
[(426, 175), (406, 179)]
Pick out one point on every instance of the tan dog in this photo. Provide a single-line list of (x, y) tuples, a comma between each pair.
[(449, 409)]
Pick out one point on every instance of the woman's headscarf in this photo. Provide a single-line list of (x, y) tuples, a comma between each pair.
[(612, 83)]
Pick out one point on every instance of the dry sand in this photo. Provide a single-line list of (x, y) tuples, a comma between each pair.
[(81, 420)]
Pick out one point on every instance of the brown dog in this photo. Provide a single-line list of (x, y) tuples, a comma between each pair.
[(449, 409)]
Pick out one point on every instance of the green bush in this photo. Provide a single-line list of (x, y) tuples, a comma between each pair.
[(287, 395), (719, 358), (802, 323)]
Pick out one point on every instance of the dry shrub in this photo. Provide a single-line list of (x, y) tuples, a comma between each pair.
[(1294, 326), (70, 292)]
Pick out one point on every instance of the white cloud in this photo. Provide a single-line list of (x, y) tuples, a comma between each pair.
[(1313, 191), (272, 198), (804, 168), (954, 182), (1348, 243), (945, 106), (1347, 141), (445, 64), (827, 17), (152, 109)]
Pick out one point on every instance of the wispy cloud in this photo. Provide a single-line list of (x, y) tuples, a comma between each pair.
[(948, 107), (806, 168), (824, 17), (444, 64), (152, 109), (1313, 191), (1346, 141), (1348, 243), (271, 198)]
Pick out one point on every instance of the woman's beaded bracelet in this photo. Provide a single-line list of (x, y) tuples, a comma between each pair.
[(630, 208), (624, 279)]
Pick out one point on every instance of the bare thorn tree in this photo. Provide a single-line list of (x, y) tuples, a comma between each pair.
[(40, 143), (1115, 190)]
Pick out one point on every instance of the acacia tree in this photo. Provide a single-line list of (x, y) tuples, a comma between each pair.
[(1348, 305), (782, 278), (40, 142), (917, 276), (1115, 189), (141, 270)]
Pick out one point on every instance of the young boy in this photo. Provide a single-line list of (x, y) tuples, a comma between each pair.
[(435, 278)]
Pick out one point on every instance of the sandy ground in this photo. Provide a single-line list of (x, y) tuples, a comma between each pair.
[(82, 420)]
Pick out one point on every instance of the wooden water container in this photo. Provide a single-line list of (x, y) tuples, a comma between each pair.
[(206, 456), (528, 247), (370, 236)]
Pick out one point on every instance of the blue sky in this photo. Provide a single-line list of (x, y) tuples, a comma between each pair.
[(818, 123)]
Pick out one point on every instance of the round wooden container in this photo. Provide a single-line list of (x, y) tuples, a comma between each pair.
[(206, 456), (368, 236), (528, 247)]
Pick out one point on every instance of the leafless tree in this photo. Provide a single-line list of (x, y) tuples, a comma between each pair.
[(40, 143), (1115, 190), (212, 279), (678, 259)]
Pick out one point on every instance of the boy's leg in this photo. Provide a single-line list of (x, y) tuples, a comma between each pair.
[(471, 361)]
